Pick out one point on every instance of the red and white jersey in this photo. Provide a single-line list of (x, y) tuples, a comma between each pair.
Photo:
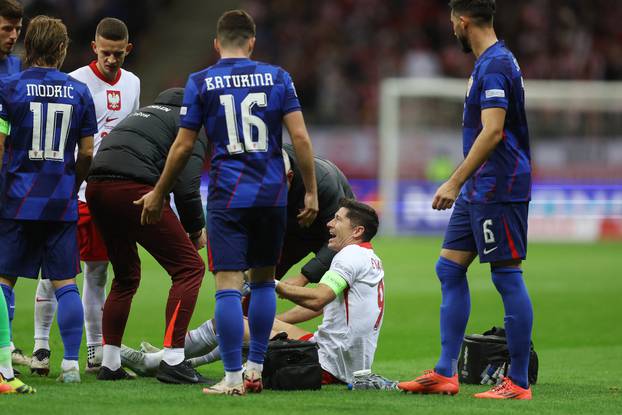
[(348, 335), (114, 100)]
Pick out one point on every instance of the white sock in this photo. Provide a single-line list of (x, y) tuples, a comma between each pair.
[(173, 356), (201, 340), (93, 298), (112, 357), (45, 308), (41, 344), (257, 367), (12, 346), (152, 360), (94, 353), (69, 364), (233, 378), (6, 368), (211, 357)]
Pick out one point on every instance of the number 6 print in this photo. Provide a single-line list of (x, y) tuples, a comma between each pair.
[(489, 236)]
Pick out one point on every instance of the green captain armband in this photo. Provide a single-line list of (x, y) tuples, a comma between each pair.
[(334, 281), (5, 127)]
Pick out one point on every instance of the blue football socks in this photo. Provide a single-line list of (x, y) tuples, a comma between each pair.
[(261, 312), (70, 318), (9, 297), (518, 320), (230, 328), (455, 310)]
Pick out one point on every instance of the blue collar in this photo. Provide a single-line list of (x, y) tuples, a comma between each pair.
[(498, 43)]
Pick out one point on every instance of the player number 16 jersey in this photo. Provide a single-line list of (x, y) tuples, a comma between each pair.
[(241, 103)]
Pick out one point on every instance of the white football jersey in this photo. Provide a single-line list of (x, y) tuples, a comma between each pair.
[(348, 335), (113, 101)]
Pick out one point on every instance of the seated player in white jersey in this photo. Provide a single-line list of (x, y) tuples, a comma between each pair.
[(351, 295)]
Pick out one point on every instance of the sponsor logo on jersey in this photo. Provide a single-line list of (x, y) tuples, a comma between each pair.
[(487, 251), (111, 119), (114, 100), (495, 93)]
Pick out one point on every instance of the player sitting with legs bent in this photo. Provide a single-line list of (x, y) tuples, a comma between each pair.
[(351, 294)]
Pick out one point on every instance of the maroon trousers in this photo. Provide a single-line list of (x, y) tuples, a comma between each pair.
[(118, 220)]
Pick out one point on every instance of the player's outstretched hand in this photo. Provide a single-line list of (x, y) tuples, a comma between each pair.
[(152, 204), (308, 214), (199, 239), (446, 195)]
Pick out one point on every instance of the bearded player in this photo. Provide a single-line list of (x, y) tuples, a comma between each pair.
[(490, 192)]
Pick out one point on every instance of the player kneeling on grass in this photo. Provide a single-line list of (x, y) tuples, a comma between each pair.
[(351, 295)]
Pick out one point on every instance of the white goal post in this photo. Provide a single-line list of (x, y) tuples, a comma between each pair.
[(558, 95)]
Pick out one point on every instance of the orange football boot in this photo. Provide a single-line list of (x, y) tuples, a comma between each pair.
[(5, 388), (506, 390), (433, 383)]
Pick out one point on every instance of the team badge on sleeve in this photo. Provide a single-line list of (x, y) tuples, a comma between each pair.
[(114, 100), (495, 93)]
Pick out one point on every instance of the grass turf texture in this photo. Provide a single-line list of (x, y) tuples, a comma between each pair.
[(575, 290)]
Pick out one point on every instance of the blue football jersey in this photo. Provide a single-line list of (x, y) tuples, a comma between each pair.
[(241, 103), (48, 112), (496, 82), (10, 65)]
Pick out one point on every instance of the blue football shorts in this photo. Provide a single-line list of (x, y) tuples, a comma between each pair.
[(242, 238), (496, 231), (32, 246)]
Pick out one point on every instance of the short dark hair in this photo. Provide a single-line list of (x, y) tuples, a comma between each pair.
[(46, 41), (11, 9), (363, 215), (234, 28), (112, 29), (481, 11)]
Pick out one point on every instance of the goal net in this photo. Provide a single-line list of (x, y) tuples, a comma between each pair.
[(576, 149)]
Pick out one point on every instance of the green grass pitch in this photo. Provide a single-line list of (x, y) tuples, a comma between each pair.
[(576, 291)]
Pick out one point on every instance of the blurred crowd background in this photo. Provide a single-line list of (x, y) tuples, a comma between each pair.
[(339, 52), (82, 16)]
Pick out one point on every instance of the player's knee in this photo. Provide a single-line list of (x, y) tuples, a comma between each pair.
[(449, 270), (8, 281), (128, 283), (507, 280), (96, 273), (191, 271), (196, 268), (200, 266)]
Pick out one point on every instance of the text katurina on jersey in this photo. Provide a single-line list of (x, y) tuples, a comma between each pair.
[(52, 91), (239, 81)]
